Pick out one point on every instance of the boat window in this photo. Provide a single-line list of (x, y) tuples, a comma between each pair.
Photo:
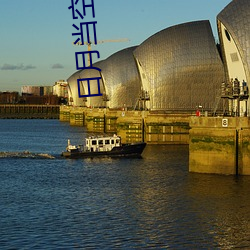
[(112, 141), (94, 142), (107, 142), (117, 141), (100, 142)]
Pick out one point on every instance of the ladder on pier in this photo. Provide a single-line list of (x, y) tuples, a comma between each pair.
[(217, 101)]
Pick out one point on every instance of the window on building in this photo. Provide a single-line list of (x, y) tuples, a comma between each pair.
[(227, 35)]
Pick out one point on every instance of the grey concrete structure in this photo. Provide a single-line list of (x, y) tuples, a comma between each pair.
[(180, 67)]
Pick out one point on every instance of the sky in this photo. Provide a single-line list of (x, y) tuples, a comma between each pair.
[(36, 35)]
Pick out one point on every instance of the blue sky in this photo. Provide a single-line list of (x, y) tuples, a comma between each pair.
[(36, 42)]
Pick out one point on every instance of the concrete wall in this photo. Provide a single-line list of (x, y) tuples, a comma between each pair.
[(20, 111), (219, 145), (94, 120), (216, 145), (244, 153), (132, 126), (64, 114), (167, 129)]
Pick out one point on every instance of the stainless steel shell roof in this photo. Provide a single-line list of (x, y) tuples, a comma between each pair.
[(73, 90), (121, 79), (180, 67), (236, 18), (93, 101), (120, 82)]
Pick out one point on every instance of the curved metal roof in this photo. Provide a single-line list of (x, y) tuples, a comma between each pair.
[(93, 101), (121, 79), (73, 90), (120, 82), (236, 18), (180, 67)]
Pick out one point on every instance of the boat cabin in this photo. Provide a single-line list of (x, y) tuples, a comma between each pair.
[(105, 143)]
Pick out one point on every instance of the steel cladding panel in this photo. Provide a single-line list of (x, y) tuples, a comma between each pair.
[(94, 101), (236, 18), (121, 79), (182, 67), (73, 89)]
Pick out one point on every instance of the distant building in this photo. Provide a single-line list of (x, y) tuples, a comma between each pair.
[(47, 90), (39, 95), (37, 90), (30, 90), (9, 97), (60, 89), (41, 100)]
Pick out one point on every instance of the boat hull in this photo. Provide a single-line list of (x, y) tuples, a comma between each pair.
[(126, 150)]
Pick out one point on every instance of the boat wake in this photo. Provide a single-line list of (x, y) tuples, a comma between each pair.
[(26, 154)]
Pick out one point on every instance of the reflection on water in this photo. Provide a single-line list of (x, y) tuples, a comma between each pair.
[(107, 203), (224, 201)]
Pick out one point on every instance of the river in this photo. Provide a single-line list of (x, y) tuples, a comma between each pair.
[(48, 202)]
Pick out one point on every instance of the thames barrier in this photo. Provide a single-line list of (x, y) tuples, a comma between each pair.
[(219, 145), (179, 86), (174, 75), (132, 126)]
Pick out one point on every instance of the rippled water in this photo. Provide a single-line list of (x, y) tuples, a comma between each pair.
[(148, 203)]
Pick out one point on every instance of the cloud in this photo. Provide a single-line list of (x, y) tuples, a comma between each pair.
[(57, 66), (21, 66), (29, 67)]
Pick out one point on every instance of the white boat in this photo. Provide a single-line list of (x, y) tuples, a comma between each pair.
[(103, 146)]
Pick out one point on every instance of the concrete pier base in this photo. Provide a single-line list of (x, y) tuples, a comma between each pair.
[(167, 129), (132, 126), (219, 145), (64, 114)]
